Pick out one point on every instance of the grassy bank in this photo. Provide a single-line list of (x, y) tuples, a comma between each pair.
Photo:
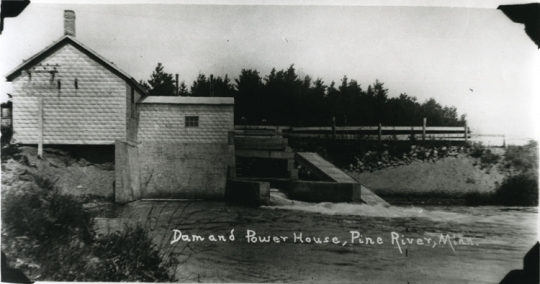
[(444, 181), (50, 235), (436, 172), (370, 155), (520, 186)]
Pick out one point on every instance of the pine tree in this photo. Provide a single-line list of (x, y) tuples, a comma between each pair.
[(183, 89), (161, 83)]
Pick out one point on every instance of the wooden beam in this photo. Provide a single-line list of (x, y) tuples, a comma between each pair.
[(373, 136), (255, 127), (260, 143), (250, 132), (350, 128), (446, 135), (445, 128), (454, 139), (351, 132), (328, 135), (373, 128), (264, 154), (486, 135)]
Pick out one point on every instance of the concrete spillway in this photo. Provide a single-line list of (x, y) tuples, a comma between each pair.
[(322, 168), (330, 173)]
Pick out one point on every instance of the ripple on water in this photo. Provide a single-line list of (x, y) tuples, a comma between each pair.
[(460, 214)]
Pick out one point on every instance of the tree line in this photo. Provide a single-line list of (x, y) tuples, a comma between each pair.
[(285, 98)]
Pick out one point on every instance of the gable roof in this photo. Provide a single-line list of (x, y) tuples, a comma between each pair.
[(92, 54)]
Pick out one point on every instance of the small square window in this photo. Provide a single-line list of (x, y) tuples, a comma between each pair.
[(192, 121)]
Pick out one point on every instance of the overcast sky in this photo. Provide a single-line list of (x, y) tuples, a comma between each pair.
[(475, 59)]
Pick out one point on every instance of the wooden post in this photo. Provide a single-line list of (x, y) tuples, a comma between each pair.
[(466, 133), (40, 127), (380, 133), (424, 130), (334, 127), (290, 164), (211, 85), (177, 92)]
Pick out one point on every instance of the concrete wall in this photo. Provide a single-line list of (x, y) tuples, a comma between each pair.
[(184, 162), (127, 174), (315, 191), (93, 113), (184, 170), (165, 122), (250, 193)]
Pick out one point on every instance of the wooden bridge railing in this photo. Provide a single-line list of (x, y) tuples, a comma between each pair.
[(359, 132)]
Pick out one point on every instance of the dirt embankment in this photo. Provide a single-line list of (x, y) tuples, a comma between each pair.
[(449, 177), (85, 171), (89, 170)]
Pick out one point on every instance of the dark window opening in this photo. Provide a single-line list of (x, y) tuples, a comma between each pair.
[(262, 168), (76, 84), (192, 121), (59, 84)]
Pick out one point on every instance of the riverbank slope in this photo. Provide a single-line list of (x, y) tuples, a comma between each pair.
[(445, 180)]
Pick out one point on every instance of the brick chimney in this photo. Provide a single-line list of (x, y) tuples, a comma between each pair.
[(69, 23)]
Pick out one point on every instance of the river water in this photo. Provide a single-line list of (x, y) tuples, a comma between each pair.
[(292, 241)]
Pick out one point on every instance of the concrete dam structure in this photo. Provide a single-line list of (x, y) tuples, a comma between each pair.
[(264, 161), (330, 173)]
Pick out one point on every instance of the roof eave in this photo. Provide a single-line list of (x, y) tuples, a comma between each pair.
[(174, 100), (13, 74)]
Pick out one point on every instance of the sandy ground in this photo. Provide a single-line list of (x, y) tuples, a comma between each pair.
[(500, 237), (448, 176), (72, 176)]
